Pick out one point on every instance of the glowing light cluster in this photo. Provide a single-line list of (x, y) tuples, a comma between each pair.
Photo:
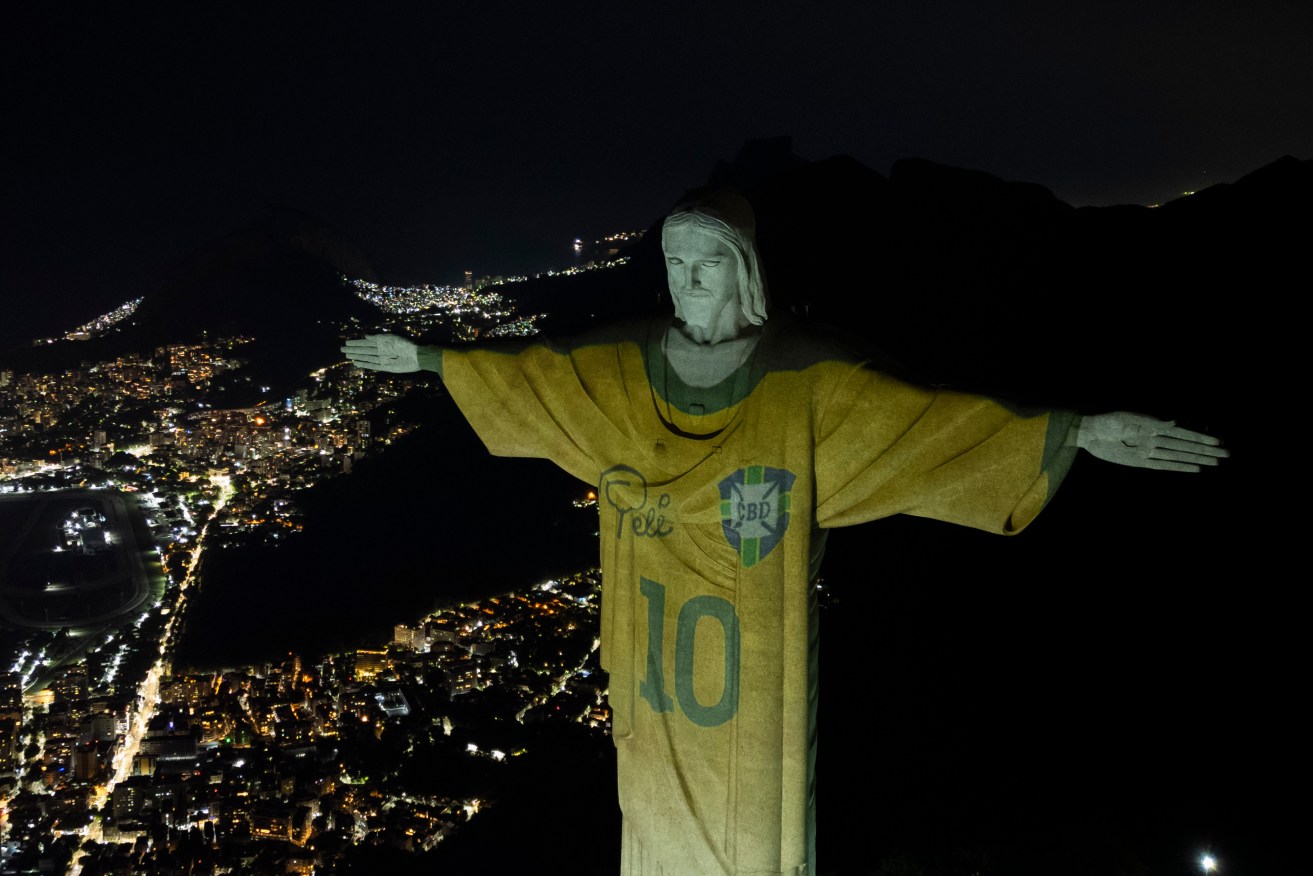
[(415, 299), (100, 325)]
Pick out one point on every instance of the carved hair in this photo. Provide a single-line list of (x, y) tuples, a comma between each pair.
[(727, 216)]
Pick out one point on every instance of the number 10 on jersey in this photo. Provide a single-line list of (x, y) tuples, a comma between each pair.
[(653, 686)]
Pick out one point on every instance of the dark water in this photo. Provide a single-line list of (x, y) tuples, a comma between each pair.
[(431, 519), (111, 585)]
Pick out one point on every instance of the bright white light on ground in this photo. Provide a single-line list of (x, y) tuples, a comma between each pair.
[(1208, 864)]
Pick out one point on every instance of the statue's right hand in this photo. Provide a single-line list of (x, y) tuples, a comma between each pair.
[(383, 353)]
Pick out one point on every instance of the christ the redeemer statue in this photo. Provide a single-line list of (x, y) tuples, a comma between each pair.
[(722, 446)]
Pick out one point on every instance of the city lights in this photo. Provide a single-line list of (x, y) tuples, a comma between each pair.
[(100, 325), (106, 725)]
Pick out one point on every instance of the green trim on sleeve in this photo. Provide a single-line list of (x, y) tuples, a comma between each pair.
[(430, 359), (1059, 453)]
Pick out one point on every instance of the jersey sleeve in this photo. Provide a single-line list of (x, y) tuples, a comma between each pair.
[(885, 447), (535, 400)]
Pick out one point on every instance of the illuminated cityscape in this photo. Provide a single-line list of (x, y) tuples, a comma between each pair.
[(115, 478)]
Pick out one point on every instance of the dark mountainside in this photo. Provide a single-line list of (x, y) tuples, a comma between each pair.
[(1110, 691), (964, 278), (1105, 693), (278, 280), (973, 281)]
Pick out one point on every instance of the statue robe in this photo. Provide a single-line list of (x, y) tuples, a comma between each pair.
[(711, 524)]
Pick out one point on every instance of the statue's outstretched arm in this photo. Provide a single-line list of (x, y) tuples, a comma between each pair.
[(384, 352), (1147, 442)]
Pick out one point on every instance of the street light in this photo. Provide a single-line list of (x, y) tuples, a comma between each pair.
[(1208, 864)]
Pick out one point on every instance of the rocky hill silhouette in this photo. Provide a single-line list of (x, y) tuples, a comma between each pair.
[(276, 280), (978, 282), (965, 278)]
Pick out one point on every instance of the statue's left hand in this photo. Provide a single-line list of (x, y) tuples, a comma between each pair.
[(1147, 442)]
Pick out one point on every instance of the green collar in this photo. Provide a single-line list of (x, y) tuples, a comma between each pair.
[(670, 388)]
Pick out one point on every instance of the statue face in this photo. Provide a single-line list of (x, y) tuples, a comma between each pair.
[(703, 273)]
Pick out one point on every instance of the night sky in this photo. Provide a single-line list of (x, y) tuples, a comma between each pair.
[(487, 136)]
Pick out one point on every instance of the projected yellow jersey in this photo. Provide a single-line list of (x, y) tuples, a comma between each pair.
[(713, 504)]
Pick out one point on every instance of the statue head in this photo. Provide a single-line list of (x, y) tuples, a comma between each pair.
[(712, 265)]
